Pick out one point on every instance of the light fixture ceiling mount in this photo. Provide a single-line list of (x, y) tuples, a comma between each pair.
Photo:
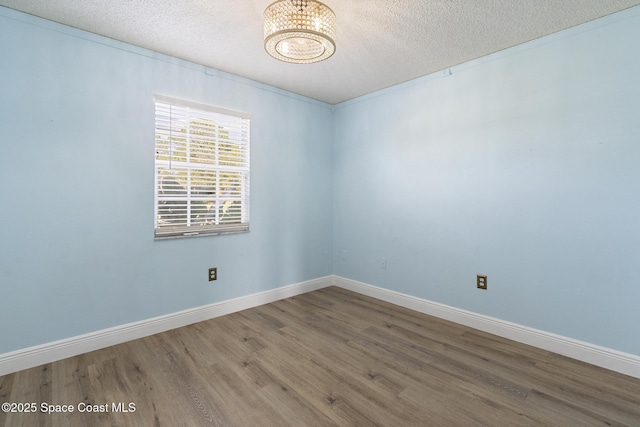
[(299, 31)]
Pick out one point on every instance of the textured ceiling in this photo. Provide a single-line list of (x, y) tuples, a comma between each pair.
[(379, 42)]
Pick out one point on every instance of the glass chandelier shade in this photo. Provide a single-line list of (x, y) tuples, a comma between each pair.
[(299, 31)]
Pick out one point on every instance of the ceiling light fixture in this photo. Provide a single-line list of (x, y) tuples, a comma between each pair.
[(299, 31)]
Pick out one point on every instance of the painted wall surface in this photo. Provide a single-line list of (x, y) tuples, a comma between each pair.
[(524, 166), (77, 252)]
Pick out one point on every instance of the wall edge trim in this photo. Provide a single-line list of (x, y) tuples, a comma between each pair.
[(607, 358), (535, 43), (624, 363), (74, 32), (57, 350)]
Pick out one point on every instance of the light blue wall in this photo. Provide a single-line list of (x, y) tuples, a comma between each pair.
[(524, 166), (76, 185)]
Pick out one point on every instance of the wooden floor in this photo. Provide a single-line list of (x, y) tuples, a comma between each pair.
[(326, 358)]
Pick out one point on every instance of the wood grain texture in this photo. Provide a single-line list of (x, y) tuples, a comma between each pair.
[(326, 358)]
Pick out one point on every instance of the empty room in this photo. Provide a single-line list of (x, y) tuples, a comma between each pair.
[(319, 213)]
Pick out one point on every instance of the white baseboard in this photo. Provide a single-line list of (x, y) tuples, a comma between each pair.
[(18, 360), (50, 352), (614, 360)]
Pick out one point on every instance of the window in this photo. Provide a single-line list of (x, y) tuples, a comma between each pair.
[(201, 170)]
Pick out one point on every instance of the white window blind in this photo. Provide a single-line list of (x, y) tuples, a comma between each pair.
[(201, 170)]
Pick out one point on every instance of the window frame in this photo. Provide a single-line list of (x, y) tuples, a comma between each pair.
[(224, 180)]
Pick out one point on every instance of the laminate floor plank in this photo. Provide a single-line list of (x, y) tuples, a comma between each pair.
[(330, 357), (6, 385), (189, 386), (40, 391), (245, 406)]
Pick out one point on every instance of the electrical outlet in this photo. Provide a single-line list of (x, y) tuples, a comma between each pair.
[(213, 274), (481, 281), (383, 263)]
